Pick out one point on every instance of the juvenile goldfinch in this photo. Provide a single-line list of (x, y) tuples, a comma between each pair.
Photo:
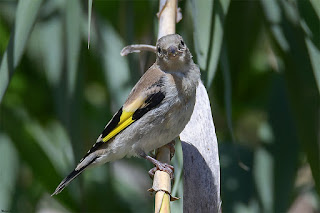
[(155, 113)]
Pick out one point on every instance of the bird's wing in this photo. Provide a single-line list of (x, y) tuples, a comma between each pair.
[(145, 96), (131, 113)]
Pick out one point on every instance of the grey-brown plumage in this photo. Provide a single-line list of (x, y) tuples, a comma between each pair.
[(156, 111)]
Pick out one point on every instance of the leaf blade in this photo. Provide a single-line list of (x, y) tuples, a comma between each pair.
[(26, 14), (208, 36)]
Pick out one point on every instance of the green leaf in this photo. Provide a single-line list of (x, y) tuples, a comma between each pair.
[(202, 21), (315, 62), (177, 188), (300, 78), (263, 175), (276, 161), (236, 184), (73, 32), (26, 14), (55, 143), (208, 23), (8, 172), (310, 24), (316, 6), (227, 89), (116, 67), (49, 54), (89, 20), (33, 149), (285, 147)]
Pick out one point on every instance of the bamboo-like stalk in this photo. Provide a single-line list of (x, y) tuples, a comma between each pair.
[(167, 17), (137, 48), (161, 182), (167, 25)]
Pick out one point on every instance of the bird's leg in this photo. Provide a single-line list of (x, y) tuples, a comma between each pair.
[(172, 148), (159, 166)]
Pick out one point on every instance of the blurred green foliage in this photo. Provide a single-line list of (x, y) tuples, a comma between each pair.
[(259, 61)]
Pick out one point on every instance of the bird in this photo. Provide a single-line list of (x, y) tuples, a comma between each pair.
[(156, 111)]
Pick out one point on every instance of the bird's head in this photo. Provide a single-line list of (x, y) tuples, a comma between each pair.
[(172, 53)]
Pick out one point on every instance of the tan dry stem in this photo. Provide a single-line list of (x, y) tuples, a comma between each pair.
[(162, 182), (167, 17), (137, 48)]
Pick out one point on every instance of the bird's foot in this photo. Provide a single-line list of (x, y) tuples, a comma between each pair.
[(159, 166), (162, 167)]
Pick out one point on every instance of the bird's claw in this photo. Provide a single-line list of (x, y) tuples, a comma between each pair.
[(162, 167)]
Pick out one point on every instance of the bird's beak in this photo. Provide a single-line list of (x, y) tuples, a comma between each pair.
[(172, 51)]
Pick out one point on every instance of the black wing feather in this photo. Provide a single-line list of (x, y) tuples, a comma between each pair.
[(151, 102)]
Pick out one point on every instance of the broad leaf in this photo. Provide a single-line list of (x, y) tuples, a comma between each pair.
[(27, 11)]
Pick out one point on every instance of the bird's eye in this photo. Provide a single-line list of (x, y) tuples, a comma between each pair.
[(182, 43), (159, 50)]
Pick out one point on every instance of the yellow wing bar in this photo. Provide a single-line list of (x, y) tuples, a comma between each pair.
[(125, 121)]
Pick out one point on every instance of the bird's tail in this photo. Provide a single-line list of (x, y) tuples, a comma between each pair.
[(65, 182)]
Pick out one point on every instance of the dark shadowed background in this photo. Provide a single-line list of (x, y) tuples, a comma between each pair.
[(260, 62)]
